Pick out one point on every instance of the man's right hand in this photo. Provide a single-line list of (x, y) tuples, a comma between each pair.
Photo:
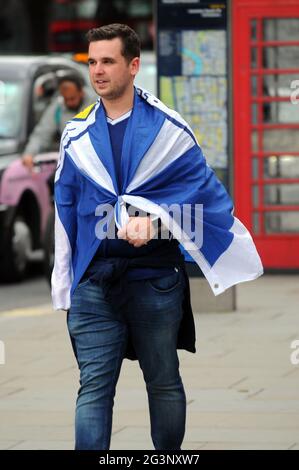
[(27, 161)]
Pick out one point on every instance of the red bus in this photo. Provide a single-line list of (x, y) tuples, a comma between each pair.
[(32, 26), (71, 19)]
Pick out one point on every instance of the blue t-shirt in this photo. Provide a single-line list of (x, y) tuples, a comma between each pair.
[(117, 129), (121, 248)]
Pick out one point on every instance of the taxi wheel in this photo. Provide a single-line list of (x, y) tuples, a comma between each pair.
[(19, 246)]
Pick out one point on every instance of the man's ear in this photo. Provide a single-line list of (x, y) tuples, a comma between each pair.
[(135, 64)]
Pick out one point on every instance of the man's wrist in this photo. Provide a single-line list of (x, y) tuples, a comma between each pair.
[(158, 225)]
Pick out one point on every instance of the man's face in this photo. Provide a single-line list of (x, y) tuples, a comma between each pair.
[(110, 74), (71, 94)]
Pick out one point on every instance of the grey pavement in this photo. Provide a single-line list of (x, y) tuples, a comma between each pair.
[(242, 389)]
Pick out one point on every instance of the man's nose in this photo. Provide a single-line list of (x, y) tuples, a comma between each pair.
[(99, 69)]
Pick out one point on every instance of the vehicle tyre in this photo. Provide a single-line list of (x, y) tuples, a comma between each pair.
[(17, 250), (49, 247)]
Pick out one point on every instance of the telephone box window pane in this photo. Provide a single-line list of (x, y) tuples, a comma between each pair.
[(281, 222), (254, 86), (284, 57), (289, 166), (255, 223), (254, 141), (281, 194), (281, 29), (253, 58), (279, 85), (280, 140), (282, 112), (271, 167), (253, 30), (254, 114), (255, 196), (255, 168), (285, 166)]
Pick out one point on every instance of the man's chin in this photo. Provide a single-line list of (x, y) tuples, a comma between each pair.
[(107, 96), (111, 94), (102, 93)]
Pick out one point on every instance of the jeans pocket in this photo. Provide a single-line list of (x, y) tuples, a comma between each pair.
[(166, 283), (83, 283)]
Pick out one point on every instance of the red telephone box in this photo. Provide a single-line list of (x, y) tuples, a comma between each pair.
[(265, 41)]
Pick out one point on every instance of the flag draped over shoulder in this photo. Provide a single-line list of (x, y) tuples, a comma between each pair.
[(162, 166)]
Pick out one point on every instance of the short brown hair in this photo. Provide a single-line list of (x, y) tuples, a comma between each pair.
[(129, 38)]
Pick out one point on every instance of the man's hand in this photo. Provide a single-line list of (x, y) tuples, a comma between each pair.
[(27, 161), (138, 231)]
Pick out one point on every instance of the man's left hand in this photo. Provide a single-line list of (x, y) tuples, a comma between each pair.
[(138, 231)]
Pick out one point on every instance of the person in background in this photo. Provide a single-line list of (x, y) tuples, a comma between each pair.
[(72, 98)]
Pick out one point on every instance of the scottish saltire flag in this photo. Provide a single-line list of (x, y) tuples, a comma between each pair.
[(164, 173)]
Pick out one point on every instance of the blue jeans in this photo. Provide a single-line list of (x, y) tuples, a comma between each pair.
[(99, 337)]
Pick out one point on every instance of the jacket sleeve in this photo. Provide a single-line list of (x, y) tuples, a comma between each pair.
[(43, 133), (66, 190)]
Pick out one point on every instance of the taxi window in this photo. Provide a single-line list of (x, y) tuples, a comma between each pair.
[(44, 88), (11, 104)]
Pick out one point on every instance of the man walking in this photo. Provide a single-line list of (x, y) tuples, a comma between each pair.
[(128, 296)]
